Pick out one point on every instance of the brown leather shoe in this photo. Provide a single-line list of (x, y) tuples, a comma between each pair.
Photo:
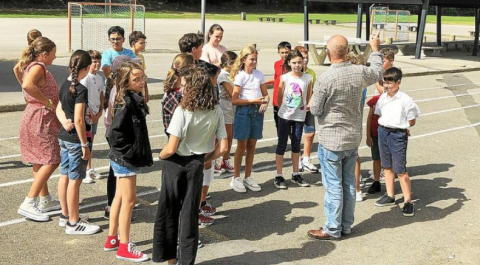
[(320, 235)]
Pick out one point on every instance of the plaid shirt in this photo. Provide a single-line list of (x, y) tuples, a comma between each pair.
[(170, 103), (336, 102)]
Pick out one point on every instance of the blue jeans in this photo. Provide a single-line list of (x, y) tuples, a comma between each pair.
[(72, 164), (338, 177)]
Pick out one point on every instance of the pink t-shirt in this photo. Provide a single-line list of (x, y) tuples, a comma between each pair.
[(212, 54)]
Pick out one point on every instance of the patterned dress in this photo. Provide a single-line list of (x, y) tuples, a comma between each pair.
[(39, 126)]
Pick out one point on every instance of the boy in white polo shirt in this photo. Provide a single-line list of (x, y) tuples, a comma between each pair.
[(397, 113)]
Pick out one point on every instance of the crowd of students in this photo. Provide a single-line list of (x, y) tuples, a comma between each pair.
[(208, 91)]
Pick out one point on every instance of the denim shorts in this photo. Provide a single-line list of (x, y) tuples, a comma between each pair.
[(248, 123), (309, 125), (393, 149), (94, 128), (123, 171), (72, 164)]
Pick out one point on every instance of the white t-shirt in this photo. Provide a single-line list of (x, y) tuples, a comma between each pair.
[(250, 84), (95, 85), (294, 103), (395, 112), (188, 126)]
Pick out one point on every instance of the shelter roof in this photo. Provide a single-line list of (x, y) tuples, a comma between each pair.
[(442, 3)]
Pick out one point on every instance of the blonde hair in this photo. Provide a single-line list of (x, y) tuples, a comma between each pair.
[(180, 62), (121, 81), (239, 64), (356, 59), (33, 35), (38, 46)]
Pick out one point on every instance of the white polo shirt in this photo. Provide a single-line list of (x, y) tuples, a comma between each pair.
[(395, 112)]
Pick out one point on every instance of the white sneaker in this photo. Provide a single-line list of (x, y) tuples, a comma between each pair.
[(82, 228), (88, 179), (251, 184), (362, 183), (370, 172), (62, 220), (307, 166), (30, 210), (94, 174), (358, 196), (237, 185), (48, 203)]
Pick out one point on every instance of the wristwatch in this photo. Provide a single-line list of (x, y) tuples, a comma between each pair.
[(50, 103)]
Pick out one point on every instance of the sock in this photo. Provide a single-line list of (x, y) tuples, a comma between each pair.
[(33, 199), (295, 174), (279, 176), (306, 159)]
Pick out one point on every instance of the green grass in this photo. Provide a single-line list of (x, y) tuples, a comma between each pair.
[(288, 17)]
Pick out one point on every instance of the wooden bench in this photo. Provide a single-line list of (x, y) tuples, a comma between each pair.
[(412, 28), (330, 22), (317, 21), (436, 50)]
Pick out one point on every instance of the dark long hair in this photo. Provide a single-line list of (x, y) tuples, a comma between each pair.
[(79, 60), (286, 64)]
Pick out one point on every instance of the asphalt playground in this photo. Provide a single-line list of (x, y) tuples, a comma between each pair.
[(269, 227)]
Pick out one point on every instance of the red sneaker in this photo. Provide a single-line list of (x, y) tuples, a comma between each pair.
[(217, 168), (205, 220), (111, 244), (208, 209), (227, 166), (129, 252)]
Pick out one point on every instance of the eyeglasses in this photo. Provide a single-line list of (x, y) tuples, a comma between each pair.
[(142, 43), (140, 79), (115, 39)]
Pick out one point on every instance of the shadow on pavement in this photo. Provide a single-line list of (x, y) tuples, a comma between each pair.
[(426, 192), (309, 250)]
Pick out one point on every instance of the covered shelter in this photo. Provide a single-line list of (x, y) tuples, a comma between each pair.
[(422, 17)]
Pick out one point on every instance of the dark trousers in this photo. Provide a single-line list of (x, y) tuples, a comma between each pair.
[(275, 116), (111, 184), (177, 214), (292, 129)]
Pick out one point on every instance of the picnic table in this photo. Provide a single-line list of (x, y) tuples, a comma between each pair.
[(317, 21), (273, 19), (331, 22), (354, 44), (472, 33)]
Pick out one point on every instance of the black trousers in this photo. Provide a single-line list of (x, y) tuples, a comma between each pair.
[(111, 183), (177, 214)]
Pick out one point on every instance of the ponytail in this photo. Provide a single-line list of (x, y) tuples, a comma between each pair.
[(38, 46)]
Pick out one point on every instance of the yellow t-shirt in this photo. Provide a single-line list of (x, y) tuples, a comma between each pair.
[(143, 61)]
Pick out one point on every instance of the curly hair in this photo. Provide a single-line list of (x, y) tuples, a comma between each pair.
[(199, 92), (239, 64), (356, 59)]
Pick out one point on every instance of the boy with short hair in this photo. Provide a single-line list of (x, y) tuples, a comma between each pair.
[(284, 49), (397, 113), (137, 41), (309, 125), (96, 86), (192, 43), (116, 38)]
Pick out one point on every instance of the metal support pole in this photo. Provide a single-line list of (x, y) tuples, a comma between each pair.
[(359, 20), (439, 25), (418, 20), (477, 27), (305, 21), (368, 21), (203, 20), (421, 30)]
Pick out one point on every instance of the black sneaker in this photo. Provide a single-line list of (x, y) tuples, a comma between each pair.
[(375, 187), (385, 200), (408, 209), (280, 183), (300, 181)]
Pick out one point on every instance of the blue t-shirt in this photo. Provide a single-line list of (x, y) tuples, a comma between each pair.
[(109, 55)]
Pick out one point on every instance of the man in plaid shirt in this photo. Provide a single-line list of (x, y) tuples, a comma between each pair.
[(336, 102)]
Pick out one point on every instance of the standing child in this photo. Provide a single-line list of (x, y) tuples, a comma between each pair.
[(116, 36), (250, 96), (138, 43), (293, 91), (172, 87), (213, 50), (225, 87), (183, 161), (129, 150), (192, 43), (75, 149), (397, 113), (95, 85), (305, 163), (284, 49), (372, 142), (388, 59)]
